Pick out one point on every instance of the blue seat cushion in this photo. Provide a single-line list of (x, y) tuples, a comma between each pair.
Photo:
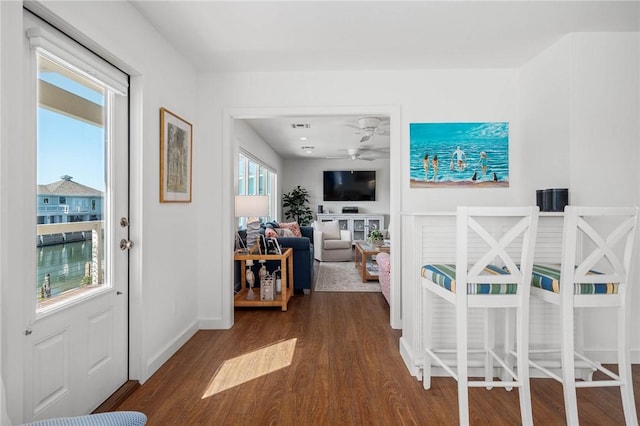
[(114, 418), (445, 275), (547, 277)]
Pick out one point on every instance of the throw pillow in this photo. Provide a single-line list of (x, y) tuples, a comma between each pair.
[(331, 230), (293, 227), (283, 232), (271, 233)]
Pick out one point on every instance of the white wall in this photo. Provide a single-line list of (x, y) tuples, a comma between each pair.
[(308, 174), (580, 118), (163, 290), (421, 96)]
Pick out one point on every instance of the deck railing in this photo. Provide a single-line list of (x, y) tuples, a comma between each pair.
[(97, 248)]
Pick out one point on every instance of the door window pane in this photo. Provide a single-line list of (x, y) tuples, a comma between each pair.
[(70, 168)]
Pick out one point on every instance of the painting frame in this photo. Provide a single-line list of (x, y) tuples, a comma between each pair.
[(459, 154), (176, 155)]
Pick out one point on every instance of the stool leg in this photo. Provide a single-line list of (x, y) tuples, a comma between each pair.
[(509, 333), (568, 366), (463, 378), (427, 333), (489, 344), (522, 349), (624, 369)]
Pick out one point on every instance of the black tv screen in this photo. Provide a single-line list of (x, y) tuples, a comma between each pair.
[(349, 185)]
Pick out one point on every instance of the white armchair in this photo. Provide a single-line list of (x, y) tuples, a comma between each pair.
[(331, 244)]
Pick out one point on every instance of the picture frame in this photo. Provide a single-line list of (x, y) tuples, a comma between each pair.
[(176, 143), (459, 155)]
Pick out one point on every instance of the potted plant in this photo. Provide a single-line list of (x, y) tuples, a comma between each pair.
[(375, 238), (296, 205)]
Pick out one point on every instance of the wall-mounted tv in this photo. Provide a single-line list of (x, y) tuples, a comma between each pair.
[(349, 185)]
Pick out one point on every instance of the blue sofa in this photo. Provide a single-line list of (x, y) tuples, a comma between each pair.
[(302, 258)]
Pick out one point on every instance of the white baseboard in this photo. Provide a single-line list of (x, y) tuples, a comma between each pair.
[(409, 359), (213, 324), (154, 363)]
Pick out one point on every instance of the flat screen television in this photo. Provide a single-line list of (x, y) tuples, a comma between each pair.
[(349, 185)]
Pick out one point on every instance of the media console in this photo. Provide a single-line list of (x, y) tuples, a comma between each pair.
[(359, 224)]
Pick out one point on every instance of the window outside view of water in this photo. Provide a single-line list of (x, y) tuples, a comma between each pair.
[(70, 181)]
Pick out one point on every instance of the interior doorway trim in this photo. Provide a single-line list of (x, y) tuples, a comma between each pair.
[(230, 150)]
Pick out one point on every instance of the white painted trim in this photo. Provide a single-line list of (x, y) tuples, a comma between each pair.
[(409, 358), (136, 206), (154, 363), (213, 324), (395, 161)]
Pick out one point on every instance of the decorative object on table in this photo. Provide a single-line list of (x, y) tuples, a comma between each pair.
[(266, 287), (175, 158), (296, 205), (552, 199), (278, 278), (269, 245), (252, 207), (459, 155), (262, 272), (251, 279), (375, 238)]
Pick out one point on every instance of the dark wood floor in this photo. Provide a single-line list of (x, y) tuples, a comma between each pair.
[(346, 370)]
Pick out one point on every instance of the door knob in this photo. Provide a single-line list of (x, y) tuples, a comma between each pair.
[(126, 244)]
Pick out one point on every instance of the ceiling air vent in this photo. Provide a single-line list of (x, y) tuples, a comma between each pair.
[(300, 125)]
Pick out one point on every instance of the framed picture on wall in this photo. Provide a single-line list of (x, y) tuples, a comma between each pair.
[(175, 158), (459, 155)]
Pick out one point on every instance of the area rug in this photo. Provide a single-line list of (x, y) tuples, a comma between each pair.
[(343, 277)]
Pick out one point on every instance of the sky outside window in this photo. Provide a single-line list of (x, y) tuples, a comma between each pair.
[(67, 145)]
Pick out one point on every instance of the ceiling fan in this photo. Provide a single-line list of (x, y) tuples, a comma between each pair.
[(360, 154), (368, 127)]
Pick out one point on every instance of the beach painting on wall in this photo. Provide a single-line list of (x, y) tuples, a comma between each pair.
[(452, 155)]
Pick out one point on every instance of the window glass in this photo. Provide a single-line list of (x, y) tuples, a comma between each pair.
[(70, 168), (256, 178)]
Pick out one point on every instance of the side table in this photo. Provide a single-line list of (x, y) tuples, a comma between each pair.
[(286, 265)]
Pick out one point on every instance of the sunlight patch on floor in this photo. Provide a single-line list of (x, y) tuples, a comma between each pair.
[(252, 365)]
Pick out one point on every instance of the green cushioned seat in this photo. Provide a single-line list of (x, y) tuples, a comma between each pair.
[(445, 275), (547, 277)]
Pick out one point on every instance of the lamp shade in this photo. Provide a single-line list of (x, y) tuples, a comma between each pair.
[(252, 205)]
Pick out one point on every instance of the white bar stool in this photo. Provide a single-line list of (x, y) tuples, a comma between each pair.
[(494, 247), (597, 245)]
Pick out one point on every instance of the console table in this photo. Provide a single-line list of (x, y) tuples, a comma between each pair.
[(286, 265)]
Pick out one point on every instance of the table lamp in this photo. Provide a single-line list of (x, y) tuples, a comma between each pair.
[(252, 207)]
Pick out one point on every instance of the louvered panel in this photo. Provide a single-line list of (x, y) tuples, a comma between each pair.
[(549, 240), (545, 325), (438, 239), (444, 331)]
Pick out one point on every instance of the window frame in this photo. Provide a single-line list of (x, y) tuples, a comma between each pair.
[(262, 182)]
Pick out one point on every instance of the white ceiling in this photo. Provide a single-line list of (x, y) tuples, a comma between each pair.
[(238, 35), (329, 136)]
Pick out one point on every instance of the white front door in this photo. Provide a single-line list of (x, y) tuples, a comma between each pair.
[(76, 349)]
